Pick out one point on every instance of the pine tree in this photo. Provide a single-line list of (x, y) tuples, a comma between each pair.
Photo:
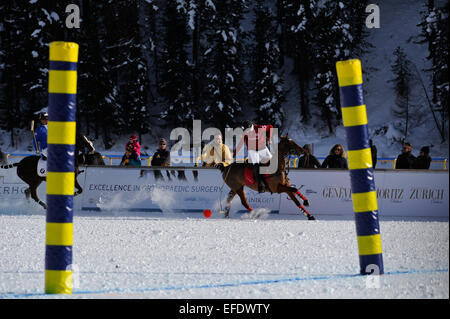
[(402, 86), (132, 72), (267, 92), (98, 103), (223, 58), (13, 47), (25, 51), (337, 38), (435, 27), (301, 22), (441, 68), (175, 86)]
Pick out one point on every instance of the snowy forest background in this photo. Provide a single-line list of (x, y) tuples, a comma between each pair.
[(147, 66)]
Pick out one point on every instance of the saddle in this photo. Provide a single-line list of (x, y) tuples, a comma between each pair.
[(42, 167), (251, 180)]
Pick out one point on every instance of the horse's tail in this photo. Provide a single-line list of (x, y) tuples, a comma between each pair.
[(9, 165)]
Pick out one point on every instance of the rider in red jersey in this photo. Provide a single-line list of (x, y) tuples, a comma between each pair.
[(255, 138)]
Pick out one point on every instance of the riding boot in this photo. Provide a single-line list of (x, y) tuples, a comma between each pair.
[(258, 178)]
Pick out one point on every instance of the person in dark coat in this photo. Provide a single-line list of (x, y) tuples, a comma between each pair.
[(308, 160), (3, 158), (405, 160), (130, 158), (161, 158), (336, 159), (162, 155), (373, 150), (423, 161)]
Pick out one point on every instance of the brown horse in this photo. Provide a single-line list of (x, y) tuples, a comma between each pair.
[(233, 175)]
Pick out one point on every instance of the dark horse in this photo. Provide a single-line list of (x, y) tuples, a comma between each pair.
[(27, 171), (278, 182)]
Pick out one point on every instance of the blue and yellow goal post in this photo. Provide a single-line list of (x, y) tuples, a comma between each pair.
[(62, 89), (364, 196)]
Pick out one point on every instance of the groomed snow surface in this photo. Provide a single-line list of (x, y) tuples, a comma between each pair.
[(173, 256)]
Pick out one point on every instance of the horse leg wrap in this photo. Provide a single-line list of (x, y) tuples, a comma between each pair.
[(300, 195), (303, 209), (305, 201)]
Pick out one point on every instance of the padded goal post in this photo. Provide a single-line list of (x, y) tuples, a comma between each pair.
[(62, 89), (364, 196)]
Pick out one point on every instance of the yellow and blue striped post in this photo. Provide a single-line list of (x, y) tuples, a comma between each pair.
[(62, 89), (364, 194)]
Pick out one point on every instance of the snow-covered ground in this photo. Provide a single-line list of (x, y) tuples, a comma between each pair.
[(188, 256)]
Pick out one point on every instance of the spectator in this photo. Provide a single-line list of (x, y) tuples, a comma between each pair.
[(130, 158), (336, 159), (405, 160), (3, 158), (216, 153), (162, 155), (161, 158), (373, 150), (133, 141), (308, 160), (423, 161)]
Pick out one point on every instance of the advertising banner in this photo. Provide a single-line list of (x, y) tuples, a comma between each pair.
[(164, 190), (399, 193)]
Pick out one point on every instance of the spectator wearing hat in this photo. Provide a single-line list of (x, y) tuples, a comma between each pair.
[(423, 161), (405, 160), (130, 158), (162, 155), (161, 158), (308, 160), (134, 143)]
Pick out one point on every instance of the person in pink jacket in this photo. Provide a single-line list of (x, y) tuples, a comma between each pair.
[(133, 141)]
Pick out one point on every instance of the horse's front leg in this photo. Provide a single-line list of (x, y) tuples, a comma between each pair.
[(230, 197), (77, 186), (33, 193), (292, 191), (303, 209), (286, 189), (305, 201)]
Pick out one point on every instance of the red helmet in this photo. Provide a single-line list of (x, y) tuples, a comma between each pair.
[(133, 137)]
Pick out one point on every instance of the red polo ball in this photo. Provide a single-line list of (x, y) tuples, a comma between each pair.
[(207, 213)]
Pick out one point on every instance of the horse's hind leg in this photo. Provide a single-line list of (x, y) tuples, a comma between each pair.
[(230, 197), (33, 191), (243, 198), (28, 193)]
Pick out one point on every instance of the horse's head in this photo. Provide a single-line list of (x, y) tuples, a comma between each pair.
[(286, 146)]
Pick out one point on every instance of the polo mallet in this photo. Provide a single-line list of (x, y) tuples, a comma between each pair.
[(34, 137)]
